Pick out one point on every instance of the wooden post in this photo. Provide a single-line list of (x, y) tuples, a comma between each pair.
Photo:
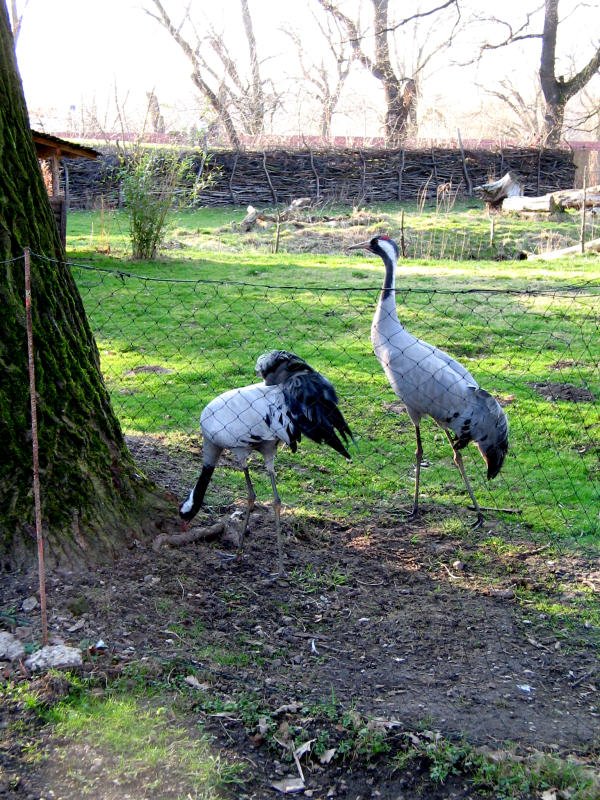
[(400, 174), (363, 176), (316, 174), (464, 166), (269, 181), (231, 193), (277, 233), (36, 458), (402, 239), (584, 190)]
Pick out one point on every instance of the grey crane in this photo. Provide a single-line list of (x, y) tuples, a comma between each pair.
[(431, 383), (293, 399)]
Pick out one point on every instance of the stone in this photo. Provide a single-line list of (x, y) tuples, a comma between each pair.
[(10, 647), (58, 656), (29, 604)]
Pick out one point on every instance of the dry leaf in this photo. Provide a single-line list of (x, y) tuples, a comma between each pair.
[(289, 786), (304, 748), (327, 756)]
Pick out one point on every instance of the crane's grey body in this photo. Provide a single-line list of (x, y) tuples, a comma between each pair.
[(243, 420), (432, 383), (429, 381), (293, 399)]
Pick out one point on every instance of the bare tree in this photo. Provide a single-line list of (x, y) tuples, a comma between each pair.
[(157, 120), (400, 90), (93, 499), (214, 98), (238, 94), (558, 91), (556, 88), (527, 108), (325, 78), (16, 18), (587, 117)]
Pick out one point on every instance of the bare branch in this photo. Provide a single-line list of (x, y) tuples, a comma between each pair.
[(16, 19), (423, 14), (354, 38), (197, 78)]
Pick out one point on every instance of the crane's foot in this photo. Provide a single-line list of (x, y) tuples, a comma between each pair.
[(274, 577), (414, 515), (229, 558), (478, 522)]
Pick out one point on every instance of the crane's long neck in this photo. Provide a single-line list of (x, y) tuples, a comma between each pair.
[(386, 308)]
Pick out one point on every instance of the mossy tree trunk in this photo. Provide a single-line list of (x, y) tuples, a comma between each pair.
[(92, 499)]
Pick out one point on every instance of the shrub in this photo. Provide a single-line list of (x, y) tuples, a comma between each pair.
[(153, 183)]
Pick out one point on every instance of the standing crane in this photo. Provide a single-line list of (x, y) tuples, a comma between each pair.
[(431, 383), (293, 399)]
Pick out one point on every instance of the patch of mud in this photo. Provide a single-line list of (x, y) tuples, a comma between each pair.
[(379, 614), (563, 391)]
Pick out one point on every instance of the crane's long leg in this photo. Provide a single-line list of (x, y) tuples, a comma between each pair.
[(418, 459), (277, 510), (459, 463), (249, 508)]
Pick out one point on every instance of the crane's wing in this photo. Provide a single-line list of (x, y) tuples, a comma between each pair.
[(312, 407), (458, 368), (245, 416)]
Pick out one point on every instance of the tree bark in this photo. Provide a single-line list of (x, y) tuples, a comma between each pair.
[(557, 91), (92, 498), (257, 108), (400, 93)]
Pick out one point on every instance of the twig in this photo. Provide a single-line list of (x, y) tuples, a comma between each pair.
[(582, 679), (584, 189), (451, 574), (500, 510), (35, 445)]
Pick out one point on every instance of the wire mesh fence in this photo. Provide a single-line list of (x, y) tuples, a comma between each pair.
[(170, 346)]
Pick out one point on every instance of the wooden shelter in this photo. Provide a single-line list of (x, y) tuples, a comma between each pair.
[(50, 150)]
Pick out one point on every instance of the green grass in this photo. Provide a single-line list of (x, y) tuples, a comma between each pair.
[(191, 325), (355, 739), (137, 729), (498, 773), (130, 735)]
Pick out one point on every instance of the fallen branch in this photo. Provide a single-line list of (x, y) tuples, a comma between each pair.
[(501, 510), (545, 203), (178, 539), (592, 246), (576, 198)]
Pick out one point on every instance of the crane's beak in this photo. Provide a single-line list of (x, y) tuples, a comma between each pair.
[(361, 246)]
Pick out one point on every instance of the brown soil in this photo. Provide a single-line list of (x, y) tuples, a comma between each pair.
[(380, 615), (563, 391)]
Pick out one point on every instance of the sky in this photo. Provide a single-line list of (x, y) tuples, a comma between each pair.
[(68, 53), (68, 50), (75, 53)]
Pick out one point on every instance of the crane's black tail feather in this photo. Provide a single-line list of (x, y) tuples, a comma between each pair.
[(491, 432), (312, 403)]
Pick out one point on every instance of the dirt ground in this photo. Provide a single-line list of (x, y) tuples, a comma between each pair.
[(379, 614)]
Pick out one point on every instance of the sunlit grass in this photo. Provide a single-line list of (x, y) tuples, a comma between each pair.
[(195, 325), (140, 745)]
